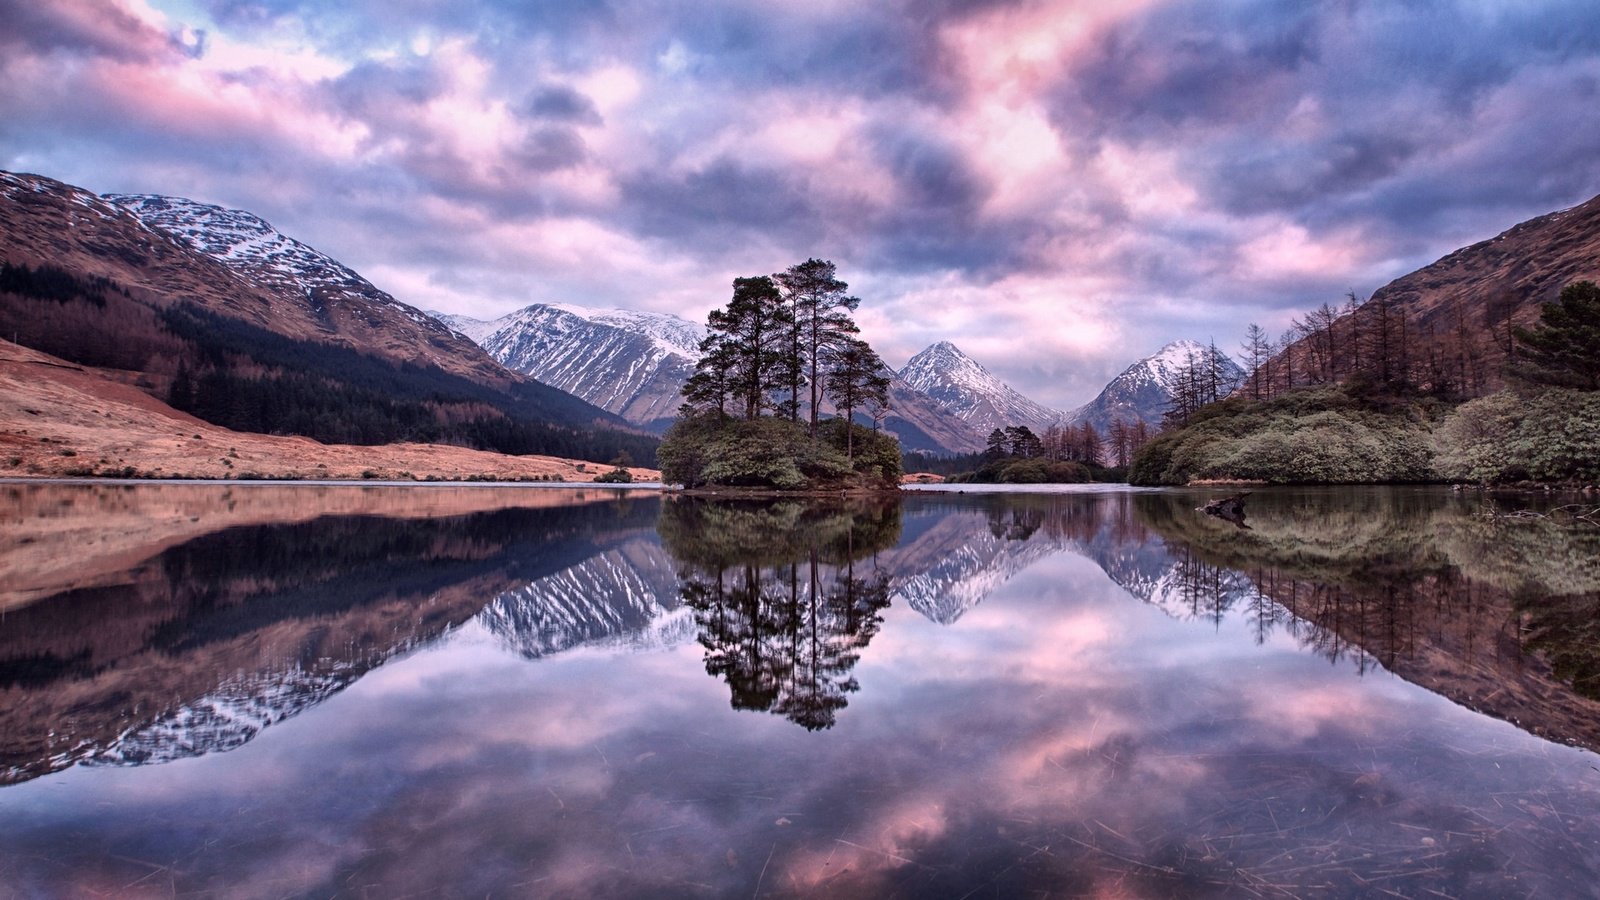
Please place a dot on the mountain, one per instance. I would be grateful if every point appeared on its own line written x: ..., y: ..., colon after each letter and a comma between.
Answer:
x: 1141, y: 393
x: 634, y: 363
x: 626, y: 362
x: 225, y: 318
x: 627, y: 595
x: 946, y: 570
x: 966, y: 390
x: 315, y: 295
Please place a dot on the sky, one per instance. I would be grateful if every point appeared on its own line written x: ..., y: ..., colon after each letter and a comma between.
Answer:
x: 1059, y: 188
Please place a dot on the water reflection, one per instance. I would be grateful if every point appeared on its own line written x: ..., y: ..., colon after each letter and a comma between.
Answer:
x: 783, y: 613
x: 528, y: 694
x: 201, y: 646
x: 1500, y: 615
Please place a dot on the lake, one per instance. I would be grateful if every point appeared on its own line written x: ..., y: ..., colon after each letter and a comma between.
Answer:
x: 268, y: 690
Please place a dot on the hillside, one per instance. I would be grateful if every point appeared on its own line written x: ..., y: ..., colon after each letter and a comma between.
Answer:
x: 61, y: 419
x: 1445, y: 328
x: 246, y: 328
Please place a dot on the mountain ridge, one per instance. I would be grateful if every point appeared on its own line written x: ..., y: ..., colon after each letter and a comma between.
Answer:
x: 961, y: 386
x: 1142, y: 392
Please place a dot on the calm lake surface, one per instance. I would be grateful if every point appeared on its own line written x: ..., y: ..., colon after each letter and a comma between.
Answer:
x: 267, y: 691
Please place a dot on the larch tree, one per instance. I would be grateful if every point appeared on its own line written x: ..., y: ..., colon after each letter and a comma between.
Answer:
x: 1257, y: 348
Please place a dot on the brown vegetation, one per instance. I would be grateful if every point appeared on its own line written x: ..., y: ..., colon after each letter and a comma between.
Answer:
x: 63, y: 420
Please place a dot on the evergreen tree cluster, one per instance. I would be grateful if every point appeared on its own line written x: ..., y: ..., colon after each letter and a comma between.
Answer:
x: 784, y: 346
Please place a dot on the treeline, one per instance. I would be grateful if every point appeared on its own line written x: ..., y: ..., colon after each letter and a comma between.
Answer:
x: 1064, y: 454
x: 1379, y: 344
x: 1372, y: 403
x: 238, y: 375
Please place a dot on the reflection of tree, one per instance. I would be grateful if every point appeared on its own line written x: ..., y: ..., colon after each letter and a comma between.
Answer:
x: 783, y: 615
x: 1416, y: 582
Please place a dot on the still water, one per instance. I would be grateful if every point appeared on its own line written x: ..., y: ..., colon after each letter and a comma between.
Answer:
x: 266, y: 691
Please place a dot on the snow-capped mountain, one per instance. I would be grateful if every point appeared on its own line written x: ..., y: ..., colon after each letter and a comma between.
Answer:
x: 319, y: 297
x: 971, y: 393
x: 1143, y: 391
x: 627, y: 362
x: 958, y: 563
x: 634, y: 363
x: 628, y: 596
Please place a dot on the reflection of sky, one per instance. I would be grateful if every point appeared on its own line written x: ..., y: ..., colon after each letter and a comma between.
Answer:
x: 1061, y: 736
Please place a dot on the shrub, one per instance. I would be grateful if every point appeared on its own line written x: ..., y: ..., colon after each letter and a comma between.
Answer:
x: 1317, y: 436
x: 775, y: 453
x: 1548, y: 434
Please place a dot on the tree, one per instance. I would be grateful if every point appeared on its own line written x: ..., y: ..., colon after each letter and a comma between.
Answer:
x: 1090, y: 449
x: 1024, y: 443
x: 711, y: 385
x: 752, y: 328
x: 1185, y: 390
x: 821, y: 312
x: 1563, y: 350
x: 856, y: 378
x: 1121, y: 438
x: 1257, y: 349
x: 996, y: 447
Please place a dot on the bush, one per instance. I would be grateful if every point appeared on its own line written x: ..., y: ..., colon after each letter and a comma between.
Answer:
x: 776, y: 454
x: 1322, y: 436
x: 618, y: 475
x: 1547, y: 434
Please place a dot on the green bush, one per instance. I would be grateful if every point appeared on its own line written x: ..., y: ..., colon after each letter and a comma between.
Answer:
x: 619, y: 475
x: 1545, y: 434
x: 771, y: 453
x: 1322, y: 436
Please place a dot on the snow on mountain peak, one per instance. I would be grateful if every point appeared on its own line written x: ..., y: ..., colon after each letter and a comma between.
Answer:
x: 962, y: 387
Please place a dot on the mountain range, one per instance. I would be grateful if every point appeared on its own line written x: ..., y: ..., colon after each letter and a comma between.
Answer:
x: 239, y: 324
x: 634, y: 363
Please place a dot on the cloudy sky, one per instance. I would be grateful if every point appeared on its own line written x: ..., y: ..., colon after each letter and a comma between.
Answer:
x: 1057, y: 187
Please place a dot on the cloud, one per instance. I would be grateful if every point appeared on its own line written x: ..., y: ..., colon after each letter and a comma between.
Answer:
x: 1070, y: 183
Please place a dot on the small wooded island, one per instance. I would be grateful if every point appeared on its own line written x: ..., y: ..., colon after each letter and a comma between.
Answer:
x: 784, y: 344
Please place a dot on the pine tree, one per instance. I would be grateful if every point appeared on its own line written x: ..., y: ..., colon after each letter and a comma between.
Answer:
x: 821, y: 313
x: 1564, y: 348
x: 753, y: 327
x: 856, y: 379
x: 996, y: 448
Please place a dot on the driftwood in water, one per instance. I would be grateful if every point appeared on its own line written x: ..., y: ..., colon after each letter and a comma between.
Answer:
x: 1229, y: 508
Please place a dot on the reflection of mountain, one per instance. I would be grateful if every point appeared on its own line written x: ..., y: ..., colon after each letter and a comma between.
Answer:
x: 951, y: 567
x: 199, y: 648
x: 622, y: 594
